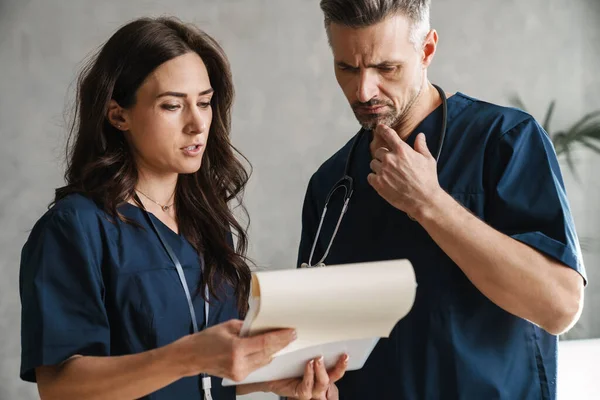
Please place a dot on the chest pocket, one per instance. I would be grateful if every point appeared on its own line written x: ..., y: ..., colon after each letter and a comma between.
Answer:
x: 152, y: 309
x: 146, y: 303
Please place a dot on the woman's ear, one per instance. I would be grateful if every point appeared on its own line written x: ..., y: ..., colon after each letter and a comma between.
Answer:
x: 117, y: 116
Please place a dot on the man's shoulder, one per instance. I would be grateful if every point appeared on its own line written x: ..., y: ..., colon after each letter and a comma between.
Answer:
x: 481, y: 113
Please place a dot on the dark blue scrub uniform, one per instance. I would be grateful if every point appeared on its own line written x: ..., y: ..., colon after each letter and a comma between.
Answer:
x: 94, y: 287
x: 454, y: 343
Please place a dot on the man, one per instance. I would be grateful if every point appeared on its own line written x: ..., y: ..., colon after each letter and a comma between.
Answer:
x: 487, y: 226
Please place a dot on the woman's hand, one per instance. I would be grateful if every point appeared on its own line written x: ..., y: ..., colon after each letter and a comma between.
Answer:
x: 219, y: 351
x: 316, y: 384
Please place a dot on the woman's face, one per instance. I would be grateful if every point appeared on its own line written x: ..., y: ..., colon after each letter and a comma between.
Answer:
x: 167, y: 127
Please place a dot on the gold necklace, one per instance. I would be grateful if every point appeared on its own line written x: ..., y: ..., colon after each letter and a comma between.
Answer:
x: 165, y: 208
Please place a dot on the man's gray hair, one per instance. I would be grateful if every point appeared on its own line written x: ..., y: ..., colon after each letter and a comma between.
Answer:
x: 363, y: 13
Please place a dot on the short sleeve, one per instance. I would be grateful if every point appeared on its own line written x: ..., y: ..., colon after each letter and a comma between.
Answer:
x: 61, y: 288
x: 526, y: 197
x: 310, y: 221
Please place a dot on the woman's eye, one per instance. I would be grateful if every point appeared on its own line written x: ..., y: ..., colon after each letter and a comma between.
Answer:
x: 170, y: 107
x: 204, y: 104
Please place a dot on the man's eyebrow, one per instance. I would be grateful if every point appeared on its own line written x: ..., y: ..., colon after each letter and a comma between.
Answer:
x: 387, y: 63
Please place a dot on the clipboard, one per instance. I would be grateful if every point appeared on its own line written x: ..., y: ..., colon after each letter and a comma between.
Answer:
x: 336, y: 310
x: 292, y: 365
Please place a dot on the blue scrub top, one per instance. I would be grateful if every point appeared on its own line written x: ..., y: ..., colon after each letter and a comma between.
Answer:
x: 96, y: 287
x: 454, y: 343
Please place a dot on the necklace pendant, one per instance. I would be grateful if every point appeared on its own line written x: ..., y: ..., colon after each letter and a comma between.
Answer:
x: 165, y: 208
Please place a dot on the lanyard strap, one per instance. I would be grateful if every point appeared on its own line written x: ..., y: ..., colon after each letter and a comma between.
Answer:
x: 206, y: 381
x: 182, y: 279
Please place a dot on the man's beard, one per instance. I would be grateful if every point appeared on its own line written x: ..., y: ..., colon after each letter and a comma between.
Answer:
x: 392, y: 118
x: 370, y: 121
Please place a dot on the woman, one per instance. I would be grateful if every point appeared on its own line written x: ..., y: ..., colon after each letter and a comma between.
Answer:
x: 115, y: 276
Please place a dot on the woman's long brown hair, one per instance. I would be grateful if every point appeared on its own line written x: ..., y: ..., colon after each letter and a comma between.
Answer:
x: 100, y: 164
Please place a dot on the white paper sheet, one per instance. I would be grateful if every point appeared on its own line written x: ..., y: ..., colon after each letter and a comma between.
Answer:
x: 336, y: 307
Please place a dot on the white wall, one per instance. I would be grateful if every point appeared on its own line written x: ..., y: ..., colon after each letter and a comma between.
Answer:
x: 289, y: 115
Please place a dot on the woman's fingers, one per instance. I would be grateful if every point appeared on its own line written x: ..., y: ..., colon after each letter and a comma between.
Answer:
x: 304, y: 388
x: 332, y: 393
x: 339, y: 369
x: 321, y: 378
x: 261, y: 348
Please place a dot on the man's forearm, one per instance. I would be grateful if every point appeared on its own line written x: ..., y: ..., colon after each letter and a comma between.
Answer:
x: 514, y: 276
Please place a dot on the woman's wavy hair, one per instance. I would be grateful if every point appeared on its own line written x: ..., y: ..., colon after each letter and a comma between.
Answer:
x: 100, y: 164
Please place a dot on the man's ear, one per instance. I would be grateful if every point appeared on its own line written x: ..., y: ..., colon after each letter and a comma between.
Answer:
x: 429, y: 47
x: 117, y: 116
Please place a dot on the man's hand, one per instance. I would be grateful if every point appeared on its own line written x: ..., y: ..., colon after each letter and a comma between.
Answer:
x: 405, y: 178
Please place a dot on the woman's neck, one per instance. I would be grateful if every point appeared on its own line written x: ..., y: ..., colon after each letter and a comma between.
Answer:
x: 159, y: 188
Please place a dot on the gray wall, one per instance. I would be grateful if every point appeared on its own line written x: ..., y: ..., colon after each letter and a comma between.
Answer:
x: 289, y: 115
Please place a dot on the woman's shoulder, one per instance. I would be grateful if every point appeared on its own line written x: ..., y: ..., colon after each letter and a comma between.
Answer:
x: 72, y: 214
x: 76, y: 202
x: 71, y: 229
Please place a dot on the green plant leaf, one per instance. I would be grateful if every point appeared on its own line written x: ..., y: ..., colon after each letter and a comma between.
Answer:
x: 585, y: 132
x: 588, y: 128
x: 592, y: 146
x: 590, y: 133
x: 592, y: 130
x: 516, y: 101
x: 567, y: 152
x: 584, y: 120
x: 546, y: 124
x: 558, y: 140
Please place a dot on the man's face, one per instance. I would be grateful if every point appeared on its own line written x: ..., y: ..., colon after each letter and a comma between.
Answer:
x: 379, y: 70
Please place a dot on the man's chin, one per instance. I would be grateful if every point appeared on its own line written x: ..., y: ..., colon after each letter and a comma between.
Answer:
x: 372, y: 122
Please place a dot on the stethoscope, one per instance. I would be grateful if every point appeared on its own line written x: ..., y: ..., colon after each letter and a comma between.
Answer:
x: 347, y: 184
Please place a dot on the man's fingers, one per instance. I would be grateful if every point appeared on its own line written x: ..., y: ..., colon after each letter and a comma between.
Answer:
x: 381, y: 153
x: 374, y: 180
x: 387, y: 135
x: 376, y: 143
x: 375, y: 165
x: 421, y: 145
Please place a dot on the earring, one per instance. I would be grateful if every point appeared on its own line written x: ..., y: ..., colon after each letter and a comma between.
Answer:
x: 119, y: 126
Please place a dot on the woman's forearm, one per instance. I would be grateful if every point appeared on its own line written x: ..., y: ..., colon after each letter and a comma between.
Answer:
x: 120, y: 377
x: 252, y: 388
x: 217, y: 351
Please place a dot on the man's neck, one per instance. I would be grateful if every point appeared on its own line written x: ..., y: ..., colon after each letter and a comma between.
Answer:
x: 427, y: 101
